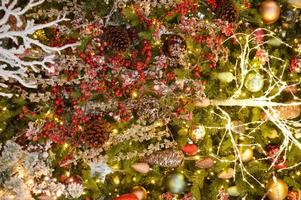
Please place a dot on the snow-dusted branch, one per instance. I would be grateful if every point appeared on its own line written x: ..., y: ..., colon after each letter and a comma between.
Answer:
x: 281, y: 114
x: 12, y: 65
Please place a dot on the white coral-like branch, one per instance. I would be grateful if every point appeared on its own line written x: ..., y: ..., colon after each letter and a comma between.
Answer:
x: 267, y: 103
x: 12, y: 66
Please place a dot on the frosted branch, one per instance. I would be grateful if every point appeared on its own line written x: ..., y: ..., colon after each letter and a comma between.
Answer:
x: 12, y: 66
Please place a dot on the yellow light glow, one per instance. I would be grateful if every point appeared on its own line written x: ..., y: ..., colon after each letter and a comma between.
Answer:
x: 67, y: 174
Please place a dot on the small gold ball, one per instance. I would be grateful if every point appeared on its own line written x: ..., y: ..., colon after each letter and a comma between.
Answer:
x: 246, y: 154
x: 270, y: 11
x: 277, y: 189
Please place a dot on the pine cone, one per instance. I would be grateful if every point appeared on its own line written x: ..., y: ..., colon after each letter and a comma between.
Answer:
x: 96, y: 133
x: 165, y: 158
x: 227, y: 11
x: 118, y: 38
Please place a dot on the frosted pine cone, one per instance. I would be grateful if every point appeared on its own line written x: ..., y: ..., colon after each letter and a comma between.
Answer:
x: 165, y: 158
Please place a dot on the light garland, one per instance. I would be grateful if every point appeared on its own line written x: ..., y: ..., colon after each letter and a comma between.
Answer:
x: 266, y: 103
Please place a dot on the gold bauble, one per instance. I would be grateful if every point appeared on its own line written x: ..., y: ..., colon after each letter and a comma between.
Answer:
x: 226, y: 173
x: 277, y: 189
x: 246, y: 154
x: 183, y: 132
x: 295, y: 3
x: 269, y: 11
x: 140, y: 192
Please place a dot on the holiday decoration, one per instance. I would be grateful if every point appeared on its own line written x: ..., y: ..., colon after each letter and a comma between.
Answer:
x: 174, y: 46
x: 287, y: 112
x: 228, y: 11
x: 176, y: 183
x: 233, y: 191
x: 226, y: 173
x: 276, y: 158
x: 165, y: 158
x: 246, y: 154
x: 226, y: 77
x: 142, y: 168
x: 288, y: 19
x: 295, y: 65
x: 190, y: 149
x: 294, y: 195
x: 270, y: 11
x: 254, y: 82
x: 117, y: 38
x: 295, y: 3
x: 204, y: 163
x: 140, y: 192
x: 197, y: 132
x: 277, y: 189
x: 154, y: 99
x: 95, y: 133
x: 10, y: 55
x: 127, y: 197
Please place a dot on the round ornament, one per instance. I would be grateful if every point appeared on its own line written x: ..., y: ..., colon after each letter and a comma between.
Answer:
x: 183, y: 132
x: 246, y: 154
x: 254, y: 82
x: 190, y: 149
x: 233, y: 191
x: 277, y: 189
x: 140, y: 192
x: 269, y: 11
x: 288, y: 19
x: 295, y: 3
x: 197, y: 132
x: 294, y: 195
x: 204, y: 163
x: 174, y: 46
x: 226, y: 174
x: 295, y: 64
x: 176, y: 183
x: 141, y: 167
x: 129, y: 196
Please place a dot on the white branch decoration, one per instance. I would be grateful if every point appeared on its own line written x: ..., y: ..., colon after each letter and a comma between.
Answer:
x: 267, y: 103
x: 12, y: 66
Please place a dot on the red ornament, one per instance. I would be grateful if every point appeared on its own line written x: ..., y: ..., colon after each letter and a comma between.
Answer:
x: 259, y: 36
x: 293, y: 195
x: 295, y: 65
x: 129, y: 196
x: 272, y: 151
x: 190, y: 149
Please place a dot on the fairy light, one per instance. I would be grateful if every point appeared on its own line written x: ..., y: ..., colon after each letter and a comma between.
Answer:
x: 266, y: 103
x: 116, y: 180
x: 65, y: 146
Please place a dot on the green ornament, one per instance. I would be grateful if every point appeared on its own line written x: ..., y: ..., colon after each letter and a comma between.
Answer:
x: 254, y: 82
x: 176, y: 183
x: 233, y: 191
x: 225, y: 77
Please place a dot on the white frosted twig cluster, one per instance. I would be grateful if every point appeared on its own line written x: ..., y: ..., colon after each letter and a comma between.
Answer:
x: 12, y: 66
x: 267, y: 103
